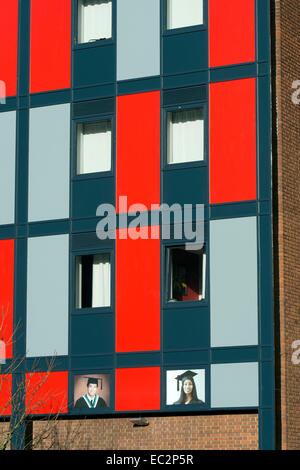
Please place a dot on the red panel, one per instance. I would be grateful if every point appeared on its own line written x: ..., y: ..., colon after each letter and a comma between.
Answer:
x: 6, y: 293
x: 138, y: 389
x: 138, y: 148
x: 9, y: 45
x: 5, y: 394
x: 50, y: 62
x: 46, y: 393
x: 232, y: 141
x: 137, y: 293
x: 231, y: 32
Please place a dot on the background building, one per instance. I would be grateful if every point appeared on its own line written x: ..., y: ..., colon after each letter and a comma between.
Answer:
x: 175, y: 102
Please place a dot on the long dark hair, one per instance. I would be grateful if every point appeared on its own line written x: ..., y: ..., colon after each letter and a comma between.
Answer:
x: 182, y: 397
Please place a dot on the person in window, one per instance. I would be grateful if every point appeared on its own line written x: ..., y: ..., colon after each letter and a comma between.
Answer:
x: 91, y: 399
x: 188, y: 393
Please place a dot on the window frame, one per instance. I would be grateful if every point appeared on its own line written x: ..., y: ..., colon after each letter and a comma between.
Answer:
x: 98, y: 42
x: 183, y: 107
x: 165, y: 276
x: 91, y: 310
x: 91, y: 119
x: 184, y: 29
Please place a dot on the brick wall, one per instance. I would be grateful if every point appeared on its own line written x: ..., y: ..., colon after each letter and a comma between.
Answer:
x: 214, y: 432
x: 286, y: 178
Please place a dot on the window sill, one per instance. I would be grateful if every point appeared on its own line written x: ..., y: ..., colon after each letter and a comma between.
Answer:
x: 96, y: 175
x: 185, y: 304
x: 184, y: 165
x: 184, y: 30
x: 89, y: 311
x: 97, y: 43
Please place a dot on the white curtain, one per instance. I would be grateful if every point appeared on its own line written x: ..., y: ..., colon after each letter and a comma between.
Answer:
x: 94, y: 147
x: 183, y: 13
x: 185, y: 136
x: 95, y: 20
x: 101, y: 281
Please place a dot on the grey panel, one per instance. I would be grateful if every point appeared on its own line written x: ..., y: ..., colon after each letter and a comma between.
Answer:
x: 233, y: 282
x: 7, y: 167
x: 47, y: 296
x: 234, y: 385
x: 49, y: 163
x: 138, y: 38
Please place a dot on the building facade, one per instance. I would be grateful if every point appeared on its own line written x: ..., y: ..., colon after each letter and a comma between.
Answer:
x: 148, y: 221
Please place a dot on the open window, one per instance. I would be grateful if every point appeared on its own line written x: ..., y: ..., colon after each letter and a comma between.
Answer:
x: 94, y: 20
x: 94, y: 147
x: 185, y: 135
x: 184, y: 13
x: 185, y: 274
x: 93, y: 281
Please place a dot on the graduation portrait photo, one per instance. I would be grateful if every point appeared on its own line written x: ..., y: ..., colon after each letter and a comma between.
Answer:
x: 185, y: 387
x: 92, y: 391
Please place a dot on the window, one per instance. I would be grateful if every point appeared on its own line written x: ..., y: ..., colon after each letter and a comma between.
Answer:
x: 185, y: 274
x: 93, y: 147
x: 93, y: 273
x: 94, y: 20
x: 185, y: 135
x: 182, y: 13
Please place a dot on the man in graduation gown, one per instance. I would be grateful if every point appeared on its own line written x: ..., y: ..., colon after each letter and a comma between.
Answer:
x: 91, y: 399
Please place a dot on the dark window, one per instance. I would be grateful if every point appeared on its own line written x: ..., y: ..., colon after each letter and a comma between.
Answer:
x: 186, y: 274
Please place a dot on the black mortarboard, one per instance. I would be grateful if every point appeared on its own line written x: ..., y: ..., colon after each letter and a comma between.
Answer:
x: 188, y: 374
x: 94, y: 380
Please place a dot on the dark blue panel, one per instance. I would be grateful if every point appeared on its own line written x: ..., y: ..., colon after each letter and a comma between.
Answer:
x: 263, y: 29
x: 92, y: 362
x: 267, y: 353
x: 94, y: 66
x: 88, y: 194
x: 7, y: 231
x: 23, y: 102
x: 186, y: 357
x: 10, y: 105
x: 184, y: 53
x: 188, y: 79
x: 84, y: 225
x: 266, y: 280
x: 50, y: 98
x: 236, y: 209
x: 49, y: 228
x: 232, y: 72
x: 267, y: 390
x: 186, y: 186
x: 89, y: 241
x: 141, y: 85
x: 24, y: 48
x: 185, y: 95
x: 263, y: 68
x: 266, y: 429
x: 22, y: 230
x: 138, y: 359
x: 92, y: 334
x: 93, y: 107
x: 264, y: 207
x: 61, y: 363
x: 22, y: 166
x: 264, y: 138
x: 89, y: 93
x: 242, y: 354
x: 186, y: 328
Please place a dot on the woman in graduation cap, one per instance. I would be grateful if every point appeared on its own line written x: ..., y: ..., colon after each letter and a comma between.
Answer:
x: 188, y: 393
x: 91, y: 399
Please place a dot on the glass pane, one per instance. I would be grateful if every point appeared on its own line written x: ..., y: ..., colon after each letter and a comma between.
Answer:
x: 185, y: 136
x: 93, y: 147
x: 186, y: 274
x: 183, y: 13
x: 94, y: 20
